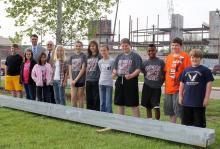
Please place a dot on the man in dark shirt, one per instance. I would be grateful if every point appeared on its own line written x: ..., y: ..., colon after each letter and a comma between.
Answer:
x: 12, y: 72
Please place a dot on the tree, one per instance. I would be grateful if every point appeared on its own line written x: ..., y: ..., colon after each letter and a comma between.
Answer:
x: 41, y: 16
x: 16, y: 39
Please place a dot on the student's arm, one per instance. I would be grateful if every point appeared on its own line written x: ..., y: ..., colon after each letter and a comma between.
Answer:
x: 114, y: 73
x: 138, y: 65
x: 70, y: 72
x: 207, y: 93
x: 33, y: 74
x: 115, y: 67
x: 181, y: 90
x: 133, y: 75
x: 6, y: 70
x: 66, y: 72
x: 81, y: 72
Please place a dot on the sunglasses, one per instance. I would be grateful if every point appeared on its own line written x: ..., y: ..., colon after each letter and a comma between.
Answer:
x: 49, y: 44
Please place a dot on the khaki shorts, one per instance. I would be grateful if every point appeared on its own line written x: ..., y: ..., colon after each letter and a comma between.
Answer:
x: 172, y: 106
x: 12, y: 83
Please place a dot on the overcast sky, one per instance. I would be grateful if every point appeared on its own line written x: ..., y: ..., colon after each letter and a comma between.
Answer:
x: 195, y: 12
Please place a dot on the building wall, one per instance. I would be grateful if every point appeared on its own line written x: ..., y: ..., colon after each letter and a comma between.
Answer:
x: 214, y: 32
x: 176, y: 26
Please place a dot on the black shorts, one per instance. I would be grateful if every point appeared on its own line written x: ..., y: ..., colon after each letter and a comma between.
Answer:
x: 194, y: 116
x: 126, y: 92
x: 79, y: 84
x: 150, y: 97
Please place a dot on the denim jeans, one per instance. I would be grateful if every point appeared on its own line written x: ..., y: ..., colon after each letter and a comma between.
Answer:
x: 105, y: 93
x: 59, y: 92
x: 30, y: 91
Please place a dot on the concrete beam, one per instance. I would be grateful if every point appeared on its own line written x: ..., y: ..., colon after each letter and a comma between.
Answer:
x: 202, y: 137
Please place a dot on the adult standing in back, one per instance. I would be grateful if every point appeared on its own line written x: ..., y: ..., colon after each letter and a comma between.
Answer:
x: 36, y: 49
x: 50, y: 56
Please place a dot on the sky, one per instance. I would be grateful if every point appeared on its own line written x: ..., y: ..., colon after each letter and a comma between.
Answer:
x: 195, y: 12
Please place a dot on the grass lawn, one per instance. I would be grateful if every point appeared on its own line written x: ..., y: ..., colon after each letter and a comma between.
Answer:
x: 20, y: 130
x: 216, y: 82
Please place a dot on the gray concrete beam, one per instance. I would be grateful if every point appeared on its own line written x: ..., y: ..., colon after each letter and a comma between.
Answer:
x: 202, y: 137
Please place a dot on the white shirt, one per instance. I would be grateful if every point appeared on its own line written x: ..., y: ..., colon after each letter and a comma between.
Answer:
x: 57, y: 71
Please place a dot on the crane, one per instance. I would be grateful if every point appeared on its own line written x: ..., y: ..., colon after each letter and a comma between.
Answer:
x: 170, y: 7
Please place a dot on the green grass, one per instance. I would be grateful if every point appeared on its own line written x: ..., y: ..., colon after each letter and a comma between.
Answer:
x: 216, y: 82
x: 21, y: 130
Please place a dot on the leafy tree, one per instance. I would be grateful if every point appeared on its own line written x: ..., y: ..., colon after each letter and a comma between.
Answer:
x: 16, y: 39
x: 40, y: 16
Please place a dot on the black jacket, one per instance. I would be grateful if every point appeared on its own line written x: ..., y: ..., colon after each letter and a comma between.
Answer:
x: 31, y: 81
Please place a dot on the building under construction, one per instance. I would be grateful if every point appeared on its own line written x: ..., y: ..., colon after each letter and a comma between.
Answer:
x: 203, y: 37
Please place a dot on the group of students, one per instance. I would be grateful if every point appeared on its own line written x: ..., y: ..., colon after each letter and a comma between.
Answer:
x: 187, y: 82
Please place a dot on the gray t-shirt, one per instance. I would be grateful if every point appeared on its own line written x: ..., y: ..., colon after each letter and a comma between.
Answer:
x: 154, y: 74
x: 76, y: 61
x: 106, y: 67
x: 127, y: 63
x: 92, y: 70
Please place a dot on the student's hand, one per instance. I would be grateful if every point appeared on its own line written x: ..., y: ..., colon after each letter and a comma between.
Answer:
x: 181, y: 100
x: 64, y: 83
x: 73, y: 82
x: 128, y: 76
x: 205, y: 102
x: 114, y: 74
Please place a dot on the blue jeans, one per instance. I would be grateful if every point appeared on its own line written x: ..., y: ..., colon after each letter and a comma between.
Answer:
x: 105, y: 93
x: 30, y: 91
x: 59, y: 92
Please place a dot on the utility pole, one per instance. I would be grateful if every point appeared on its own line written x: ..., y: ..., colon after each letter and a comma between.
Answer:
x: 153, y: 34
x: 59, y: 22
x: 116, y: 14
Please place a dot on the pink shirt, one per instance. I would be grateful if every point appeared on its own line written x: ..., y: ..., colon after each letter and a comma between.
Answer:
x: 26, y: 71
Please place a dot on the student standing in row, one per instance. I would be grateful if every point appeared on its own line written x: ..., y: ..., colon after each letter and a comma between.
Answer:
x: 25, y: 75
x: 127, y: 67
x: 60, y: 74
x: 195, y: 89
x: 12, y: 72
x: 92, y: 77
x: 176, y: 62
x: 42, y: 75
x: 77, y: 71
x: 153, y: 70
x: 105, y: 80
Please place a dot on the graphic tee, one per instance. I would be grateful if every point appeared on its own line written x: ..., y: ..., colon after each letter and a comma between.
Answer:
x: 195, y: 80
x: 76, y: 61
x: 153, y: 70
x: 44, y: 71
x: 106, y: 67
x: 175, y: 64
x: 92, y: 70
x: 127, y: 63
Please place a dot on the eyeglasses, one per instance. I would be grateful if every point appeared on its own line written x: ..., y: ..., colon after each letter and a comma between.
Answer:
x: 49, y: 44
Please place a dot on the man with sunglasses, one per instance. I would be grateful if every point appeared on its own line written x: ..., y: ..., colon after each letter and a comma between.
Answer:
x: 36, y: 49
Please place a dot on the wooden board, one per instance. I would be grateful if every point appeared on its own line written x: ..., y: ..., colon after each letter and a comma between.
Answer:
x: 202, y: 137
